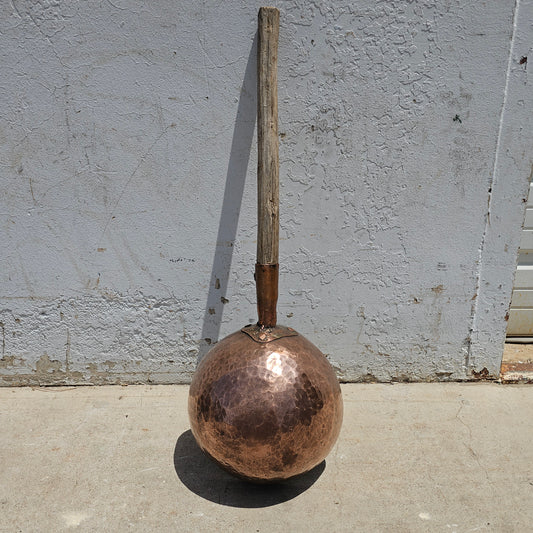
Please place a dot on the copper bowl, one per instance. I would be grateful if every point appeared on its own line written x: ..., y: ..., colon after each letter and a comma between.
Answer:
x: 265, y: 411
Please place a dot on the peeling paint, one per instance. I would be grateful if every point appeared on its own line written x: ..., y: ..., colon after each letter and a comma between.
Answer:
x: 7, y: 361
x: 438, y: 289
x: 517, y: 372
x: 483, y: 374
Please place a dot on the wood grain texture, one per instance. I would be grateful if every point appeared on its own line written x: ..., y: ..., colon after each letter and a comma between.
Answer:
x: 267, y: 137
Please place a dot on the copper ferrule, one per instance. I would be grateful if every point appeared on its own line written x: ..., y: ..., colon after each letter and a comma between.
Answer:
x: 266, y: 285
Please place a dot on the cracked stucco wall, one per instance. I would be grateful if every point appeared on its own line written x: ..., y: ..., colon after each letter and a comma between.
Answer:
x: 127, y: 162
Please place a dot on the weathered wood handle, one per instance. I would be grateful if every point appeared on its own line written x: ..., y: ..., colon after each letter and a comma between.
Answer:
x: 267, y: 137
x: 266, y: 269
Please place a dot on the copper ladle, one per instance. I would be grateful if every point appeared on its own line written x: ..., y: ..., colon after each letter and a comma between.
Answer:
x: 265, y: 403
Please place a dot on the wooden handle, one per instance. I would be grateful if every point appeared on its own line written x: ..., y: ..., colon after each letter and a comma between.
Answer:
x: 266, y: 269
x: 267, y: 137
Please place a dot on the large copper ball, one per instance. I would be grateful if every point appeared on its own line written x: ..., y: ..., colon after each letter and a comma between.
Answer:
x: 265, y: 411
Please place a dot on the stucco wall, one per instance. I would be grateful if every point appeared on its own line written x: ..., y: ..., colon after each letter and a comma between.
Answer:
x: 128, y: 183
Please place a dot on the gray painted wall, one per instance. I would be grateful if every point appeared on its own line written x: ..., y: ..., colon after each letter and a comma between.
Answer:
x: 128, y: 184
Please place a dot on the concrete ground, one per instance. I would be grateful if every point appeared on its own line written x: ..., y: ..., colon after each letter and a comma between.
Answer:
x: 411, y: 457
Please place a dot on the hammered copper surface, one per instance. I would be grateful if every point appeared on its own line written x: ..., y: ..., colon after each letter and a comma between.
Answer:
x: 262, y: 334
x: 265, y: 411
